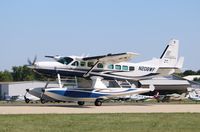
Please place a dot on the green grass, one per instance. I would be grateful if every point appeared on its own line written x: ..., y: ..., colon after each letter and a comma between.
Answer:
x: 184, y: 122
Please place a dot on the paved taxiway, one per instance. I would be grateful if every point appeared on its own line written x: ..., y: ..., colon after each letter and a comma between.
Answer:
x: 73, y: 109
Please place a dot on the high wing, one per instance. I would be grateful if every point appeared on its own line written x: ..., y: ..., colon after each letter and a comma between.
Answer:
x: 109, y: 58
x: 112, y: 58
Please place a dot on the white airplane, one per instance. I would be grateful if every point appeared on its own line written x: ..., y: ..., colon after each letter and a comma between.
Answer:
x: 194, y: 96
x: 134, y: 97
x: 112, y: 66
x: 97, y: 93
x: 170, y: 97
x: 138, y: 97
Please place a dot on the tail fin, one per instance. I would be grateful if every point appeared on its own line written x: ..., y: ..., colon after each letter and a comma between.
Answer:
x: 170, y: 55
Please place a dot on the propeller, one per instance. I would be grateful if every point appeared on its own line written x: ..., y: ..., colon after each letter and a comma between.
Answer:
x: 32, y: 62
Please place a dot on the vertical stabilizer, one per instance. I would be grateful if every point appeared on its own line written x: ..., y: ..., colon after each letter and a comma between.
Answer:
x: 169, y: 57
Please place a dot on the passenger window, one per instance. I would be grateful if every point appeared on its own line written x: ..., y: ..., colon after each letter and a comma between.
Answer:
x: 117, y: 67
x: 111, y: 66
x: 82, y: 63
x: 125, y: 68
x: 131, y: 68
x: 75, y: 63
x: 100, y: 65
x: 90, y: 64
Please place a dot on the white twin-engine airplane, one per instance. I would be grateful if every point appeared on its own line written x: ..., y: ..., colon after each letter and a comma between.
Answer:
x: 112, y: 66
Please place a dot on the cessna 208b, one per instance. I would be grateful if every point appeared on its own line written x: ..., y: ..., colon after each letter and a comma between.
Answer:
x: 112, y: 66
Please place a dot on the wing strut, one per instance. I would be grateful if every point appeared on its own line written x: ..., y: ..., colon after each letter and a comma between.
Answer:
x: 59, y: 80
x: 87, y: 74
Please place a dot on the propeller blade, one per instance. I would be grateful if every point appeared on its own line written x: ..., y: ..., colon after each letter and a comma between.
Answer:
x: 35, y: 59
x: 29, y: 61
x: 48, y: 56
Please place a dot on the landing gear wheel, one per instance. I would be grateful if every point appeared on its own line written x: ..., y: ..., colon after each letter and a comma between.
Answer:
x: 98, y: 102
x: 42, y: 101
x: 81, y: 103
x: 27, y: 100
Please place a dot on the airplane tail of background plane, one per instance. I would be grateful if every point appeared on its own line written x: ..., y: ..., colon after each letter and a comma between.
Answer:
x: 169, y: 60
x: 170, y: 55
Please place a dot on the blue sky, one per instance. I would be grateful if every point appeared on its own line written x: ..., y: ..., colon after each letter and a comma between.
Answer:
x: 77, y: 27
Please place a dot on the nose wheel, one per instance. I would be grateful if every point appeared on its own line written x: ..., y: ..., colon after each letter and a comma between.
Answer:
x: 42, y: 100
x: 25, y: 98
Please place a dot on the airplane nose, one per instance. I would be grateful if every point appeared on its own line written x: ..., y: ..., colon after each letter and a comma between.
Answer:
x: 45, y: 64
x: 33, y: 66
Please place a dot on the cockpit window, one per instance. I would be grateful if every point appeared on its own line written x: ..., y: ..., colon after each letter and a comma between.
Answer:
x: 65, y: 60
x: 76, y: 63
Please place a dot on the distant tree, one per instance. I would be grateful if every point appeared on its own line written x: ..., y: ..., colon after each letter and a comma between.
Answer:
x: 179, y: 74
x: 189, y: 72
x: 198, y: 72
x: 39, y: 77
x: 5, y: 76
x: 22, y: 73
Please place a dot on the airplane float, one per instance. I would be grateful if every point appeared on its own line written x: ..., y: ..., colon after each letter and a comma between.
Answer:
x: 112, y: 66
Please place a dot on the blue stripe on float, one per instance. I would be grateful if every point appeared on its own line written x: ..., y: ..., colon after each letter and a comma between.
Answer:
x: 77, y: 94
x: 85, y: 94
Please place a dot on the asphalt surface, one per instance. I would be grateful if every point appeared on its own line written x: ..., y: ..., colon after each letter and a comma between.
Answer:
x: 74, y: 109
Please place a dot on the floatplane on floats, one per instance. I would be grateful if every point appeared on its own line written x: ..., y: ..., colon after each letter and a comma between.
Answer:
x: 112, y: 66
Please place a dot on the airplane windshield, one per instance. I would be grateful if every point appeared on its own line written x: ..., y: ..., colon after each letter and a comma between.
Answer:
x: 65, y: 60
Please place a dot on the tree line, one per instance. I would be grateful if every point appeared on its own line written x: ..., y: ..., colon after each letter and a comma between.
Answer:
x: 23, y: 73
x: 190, y: 72
x: 20, y: 73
